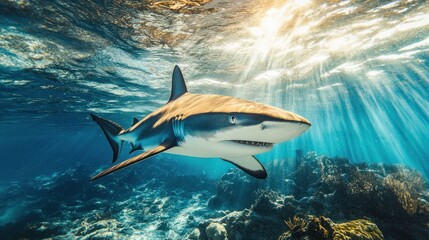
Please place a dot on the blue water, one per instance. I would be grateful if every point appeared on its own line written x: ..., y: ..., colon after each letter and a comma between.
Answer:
x: 357, y: 70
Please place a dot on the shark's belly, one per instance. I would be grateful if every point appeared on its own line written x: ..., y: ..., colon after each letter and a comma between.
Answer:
x: 200, y: 147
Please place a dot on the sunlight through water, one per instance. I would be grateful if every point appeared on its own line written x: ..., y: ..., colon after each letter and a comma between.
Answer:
x: 358, y: 70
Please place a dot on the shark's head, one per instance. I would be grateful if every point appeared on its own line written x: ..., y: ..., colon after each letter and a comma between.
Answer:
x: 242, y: 127
x: 228, y: 125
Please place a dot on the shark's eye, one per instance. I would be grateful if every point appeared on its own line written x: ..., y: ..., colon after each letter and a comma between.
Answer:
x: 232, y: 119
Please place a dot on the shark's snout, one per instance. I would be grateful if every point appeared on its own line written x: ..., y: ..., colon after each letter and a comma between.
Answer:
x: 286, y: 116
x: 302, y: 120
x: 281, y: 130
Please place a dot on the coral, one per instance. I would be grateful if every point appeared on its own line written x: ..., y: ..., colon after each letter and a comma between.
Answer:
x: 216, y: 231
x: 357, y: 230
x: 319, y: 173
x: 306, y: 174
x: 235, y: 190
x: 295, y: 223
x: 248, y: 224
x: 313, y: 228
x: 323, y: 228
x: 267, y: 202
x: 361, y: 182
x: 406, y: 186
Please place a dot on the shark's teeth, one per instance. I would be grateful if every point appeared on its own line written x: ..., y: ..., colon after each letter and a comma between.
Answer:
x: 253, y: 143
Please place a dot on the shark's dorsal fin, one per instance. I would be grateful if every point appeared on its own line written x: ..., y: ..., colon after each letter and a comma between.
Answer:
x: 250, y: 165
x: 135, y: 120
x: 178, y: 87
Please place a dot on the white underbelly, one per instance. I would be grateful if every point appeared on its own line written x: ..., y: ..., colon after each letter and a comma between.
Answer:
x: 200, y: 147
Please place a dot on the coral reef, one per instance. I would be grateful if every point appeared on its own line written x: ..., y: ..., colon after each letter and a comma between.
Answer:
x: 235, y: 190
x: 406, y: 186
x: 160, y: 202
x: 331, y: 187
x: 354, y: 189
x: 323, y: 228
x: 262, y: 220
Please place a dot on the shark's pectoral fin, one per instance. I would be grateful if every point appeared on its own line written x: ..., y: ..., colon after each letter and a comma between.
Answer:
x: 161, y: 148
x: 250, y: 165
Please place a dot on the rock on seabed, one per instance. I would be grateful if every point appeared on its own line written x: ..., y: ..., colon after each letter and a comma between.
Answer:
x: 216, y: 231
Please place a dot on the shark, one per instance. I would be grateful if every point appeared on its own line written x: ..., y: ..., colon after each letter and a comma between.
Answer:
x: 204, y: 126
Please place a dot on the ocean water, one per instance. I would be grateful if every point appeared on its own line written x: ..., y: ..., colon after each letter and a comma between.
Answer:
x: 357, y: 70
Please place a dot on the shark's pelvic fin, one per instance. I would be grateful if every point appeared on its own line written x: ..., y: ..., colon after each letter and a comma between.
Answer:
x: 111, y: 130
x: 134, y: 147
x: 178, y: 87
x: 135, y: 120
x: 250, y: 165
x: 161, y: 148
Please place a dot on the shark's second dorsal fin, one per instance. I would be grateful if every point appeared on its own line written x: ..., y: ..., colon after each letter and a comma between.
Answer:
x: 178, y: 87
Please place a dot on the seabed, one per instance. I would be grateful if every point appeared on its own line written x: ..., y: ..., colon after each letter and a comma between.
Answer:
x: 321, y: 198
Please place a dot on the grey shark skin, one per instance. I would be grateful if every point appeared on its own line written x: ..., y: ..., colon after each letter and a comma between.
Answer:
x: 206, y: 126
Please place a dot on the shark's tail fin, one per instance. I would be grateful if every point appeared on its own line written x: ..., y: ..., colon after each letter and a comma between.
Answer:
x: 111, y: 130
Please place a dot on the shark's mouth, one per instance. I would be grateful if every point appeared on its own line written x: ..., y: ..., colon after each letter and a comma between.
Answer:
x: 253, y: 143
